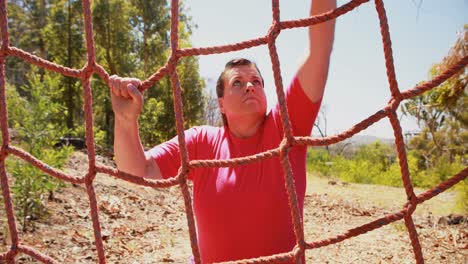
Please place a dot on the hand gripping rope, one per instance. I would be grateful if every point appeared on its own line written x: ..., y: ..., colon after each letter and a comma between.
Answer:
x: 181, y: 179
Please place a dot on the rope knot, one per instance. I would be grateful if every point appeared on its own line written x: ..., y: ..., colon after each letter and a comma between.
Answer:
x: 172, y: 60
x: 411, y: 204
x: 11, y: 254
x: 302, y: 246
x: 285, y: 145
x: 89, y: 178
x: 4, y: 52
x: 3, y: 152
x: 274, y: 30
x: 88, y: 70
x: 397, y: 96
x: 184, y: 170
x: 393, y: 104
x: 298, y: 251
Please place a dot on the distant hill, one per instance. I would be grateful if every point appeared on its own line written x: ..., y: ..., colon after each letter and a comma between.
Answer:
x: 365, y: 139
x: 358, y: 140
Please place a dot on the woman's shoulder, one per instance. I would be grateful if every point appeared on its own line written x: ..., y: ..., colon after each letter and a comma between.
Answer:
x: 206, y: 133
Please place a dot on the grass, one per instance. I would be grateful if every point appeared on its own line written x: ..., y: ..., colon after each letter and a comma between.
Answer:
x: 392, y: 198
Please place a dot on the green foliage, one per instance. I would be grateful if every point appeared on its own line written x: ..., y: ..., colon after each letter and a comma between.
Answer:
x: 132, y: 39
x: 441, y: 113
x: 356, y: 170
x: 392, y: 176
x: 153, y: 52
x: 319, y: 161
x: 366, y: 165
x: 148, y: 120
x: 115, y: 51
x: 25, y: 21
x: 377, y: 164
x: 440, y: 148
x: 381, y: 155
x: 151, y: 19
x: 462, y: 195
x: 37, y: 124
x: 64, y: 44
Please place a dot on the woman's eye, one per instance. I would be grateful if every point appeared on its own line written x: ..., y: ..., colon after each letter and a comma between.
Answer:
x: 256, y: 82
x: 237, y: 83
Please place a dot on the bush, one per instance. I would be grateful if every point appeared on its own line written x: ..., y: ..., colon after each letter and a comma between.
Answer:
x: 390, y: 177
x: 376, y: 163
x: 149, y: 135
x: 462, y: 196
x: 32, y: 187
x: 441, y: 171
x: 38, y: 122
x: 366, y: 165
x: 319, y: 161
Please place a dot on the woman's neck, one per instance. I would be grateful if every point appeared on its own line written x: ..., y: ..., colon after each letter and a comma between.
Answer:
x: 245, y: 127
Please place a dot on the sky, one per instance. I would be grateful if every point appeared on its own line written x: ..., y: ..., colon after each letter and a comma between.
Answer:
x: 422, y: 32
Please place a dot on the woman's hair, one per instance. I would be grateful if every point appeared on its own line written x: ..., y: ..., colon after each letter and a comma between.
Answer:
x: 229, y: 65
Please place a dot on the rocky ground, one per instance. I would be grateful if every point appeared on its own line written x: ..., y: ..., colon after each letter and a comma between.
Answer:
x: 144, y: 225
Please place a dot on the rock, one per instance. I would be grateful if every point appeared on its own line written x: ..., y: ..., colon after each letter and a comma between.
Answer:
x: 78, y: 143
x: 452, y: 219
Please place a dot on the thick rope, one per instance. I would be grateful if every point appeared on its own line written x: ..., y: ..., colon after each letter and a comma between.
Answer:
x: 180, y: 179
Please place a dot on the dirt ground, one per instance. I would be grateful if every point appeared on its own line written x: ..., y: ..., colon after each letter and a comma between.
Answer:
x: 144, y: 225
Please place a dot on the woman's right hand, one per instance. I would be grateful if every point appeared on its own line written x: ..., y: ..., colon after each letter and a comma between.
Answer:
x: 127, y: 100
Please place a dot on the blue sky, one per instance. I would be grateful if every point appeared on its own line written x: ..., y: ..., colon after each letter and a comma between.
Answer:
x: 422, y: 32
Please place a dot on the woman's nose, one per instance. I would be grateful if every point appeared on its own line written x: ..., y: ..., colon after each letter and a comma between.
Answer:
x: 249, y: 87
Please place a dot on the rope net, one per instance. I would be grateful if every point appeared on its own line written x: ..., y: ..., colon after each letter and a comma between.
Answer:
x: 180, y: 179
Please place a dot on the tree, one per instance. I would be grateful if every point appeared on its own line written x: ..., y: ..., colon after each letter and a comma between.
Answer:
x: 212, y: 115
x: 133, y: 40
x: 443, y: 119
x: 441, y: 112
x: 152, y: 22
x: 321, y: 124
x: 26, y: 19
x: 65, y: 46
x: 52, y: 30
x: 114, y: 49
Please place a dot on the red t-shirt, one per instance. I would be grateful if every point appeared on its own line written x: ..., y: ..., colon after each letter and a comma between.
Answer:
x: 243, y: 212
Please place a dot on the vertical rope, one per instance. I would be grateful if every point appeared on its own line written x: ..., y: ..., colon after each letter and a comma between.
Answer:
x: 86, y: 76
x: 286, y: 145
x: 12, y: 229
x: 3, y: 104
x: 412, y: 199
x: 89, y: 130
x: 4, y: 27
x: 396, y: 97
x: 387, y: 46
x: 178, y: 109
x: 9, y: 212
